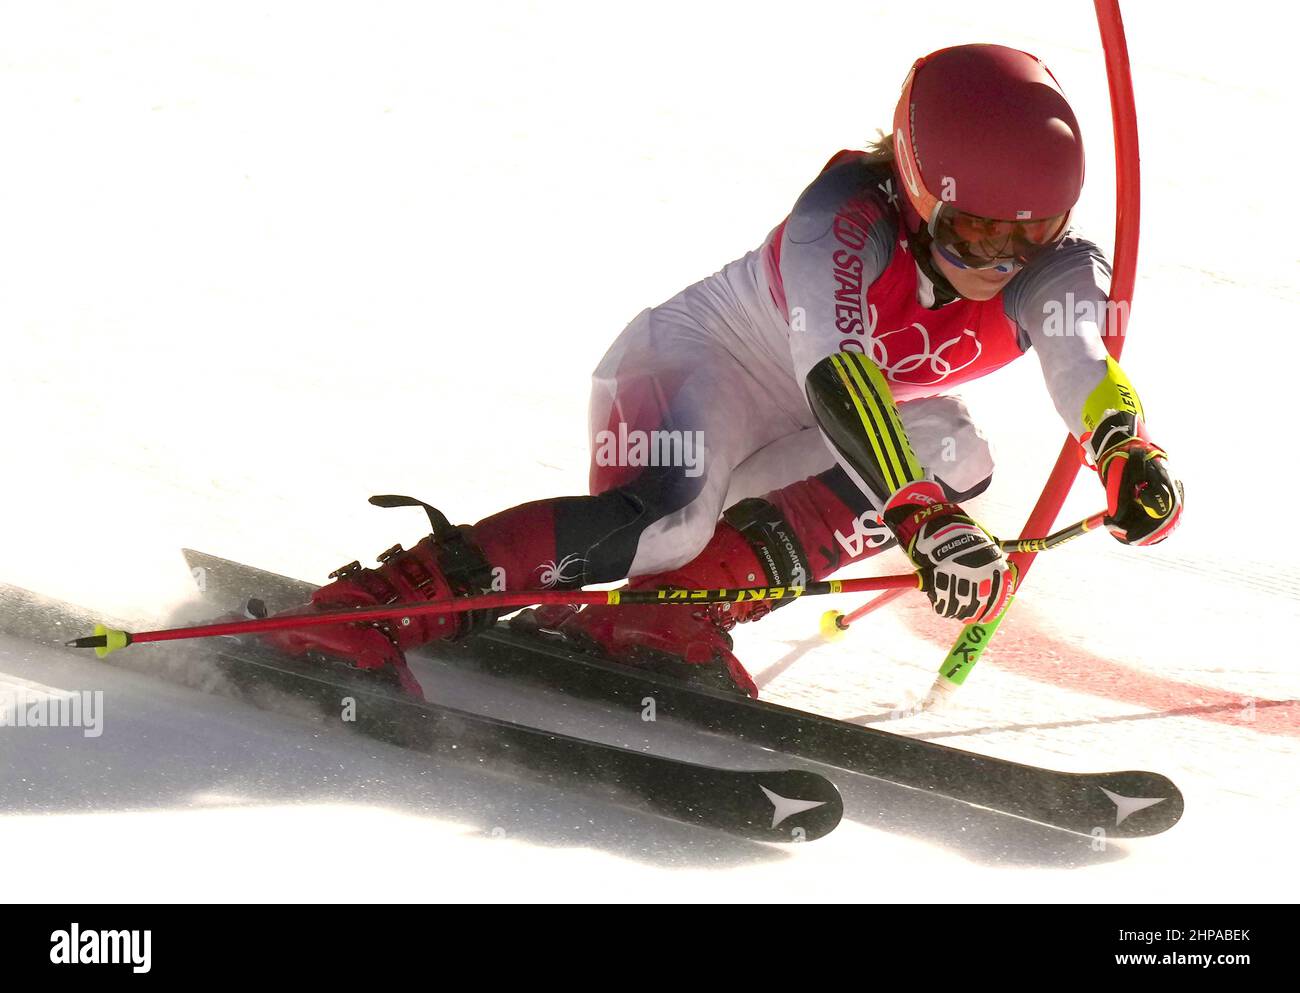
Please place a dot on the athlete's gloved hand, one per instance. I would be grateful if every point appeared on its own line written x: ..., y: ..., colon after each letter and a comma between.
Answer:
x: 1144, y: 502
x: 963, y: 571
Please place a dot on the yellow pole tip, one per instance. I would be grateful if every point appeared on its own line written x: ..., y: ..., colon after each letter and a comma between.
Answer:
x: 830, y: 626
x: 113, y: 639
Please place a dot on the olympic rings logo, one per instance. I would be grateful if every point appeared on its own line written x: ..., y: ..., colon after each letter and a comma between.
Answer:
x: 918, y: 361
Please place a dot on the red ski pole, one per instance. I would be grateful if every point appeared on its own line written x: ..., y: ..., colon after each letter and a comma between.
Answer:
x: 106, y: 639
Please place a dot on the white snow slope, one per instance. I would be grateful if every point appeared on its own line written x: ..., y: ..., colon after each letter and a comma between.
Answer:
x: 258, y: 262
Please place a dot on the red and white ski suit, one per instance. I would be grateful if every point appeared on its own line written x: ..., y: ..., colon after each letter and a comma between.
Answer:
x: 712, y: 381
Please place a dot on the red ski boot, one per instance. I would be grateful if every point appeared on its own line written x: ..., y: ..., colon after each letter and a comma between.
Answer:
x: 758, y: 542
x: 752, y: 546
x: 445, y: 564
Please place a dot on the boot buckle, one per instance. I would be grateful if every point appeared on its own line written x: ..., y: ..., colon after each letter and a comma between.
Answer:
x: 342, y: 572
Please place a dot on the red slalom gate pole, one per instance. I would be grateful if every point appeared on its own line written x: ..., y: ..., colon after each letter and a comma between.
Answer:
x: 1128, y: 217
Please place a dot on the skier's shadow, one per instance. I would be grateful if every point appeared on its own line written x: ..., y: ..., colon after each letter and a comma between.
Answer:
x: 167, y: 747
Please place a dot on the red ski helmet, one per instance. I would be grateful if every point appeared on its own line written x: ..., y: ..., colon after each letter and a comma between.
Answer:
x: 983, y: 133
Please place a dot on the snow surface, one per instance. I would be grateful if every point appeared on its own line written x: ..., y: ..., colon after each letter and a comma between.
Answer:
x: 258, y: 262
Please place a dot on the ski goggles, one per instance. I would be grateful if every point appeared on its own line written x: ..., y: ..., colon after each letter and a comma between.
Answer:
x: 972, y: 242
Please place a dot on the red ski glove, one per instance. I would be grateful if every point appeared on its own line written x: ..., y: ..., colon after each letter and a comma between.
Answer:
x: 1144, y: 502
x: 963, y: 570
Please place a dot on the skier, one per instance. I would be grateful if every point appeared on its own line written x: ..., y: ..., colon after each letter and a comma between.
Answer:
x: 792, y: 413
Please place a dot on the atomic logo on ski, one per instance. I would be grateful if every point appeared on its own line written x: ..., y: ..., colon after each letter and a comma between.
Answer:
x: 1126, y: 805
x: 784, y: 806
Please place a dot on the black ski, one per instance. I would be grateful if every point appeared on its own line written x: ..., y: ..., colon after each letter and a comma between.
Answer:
x: 789, y: 805
x: 1120, y: 804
